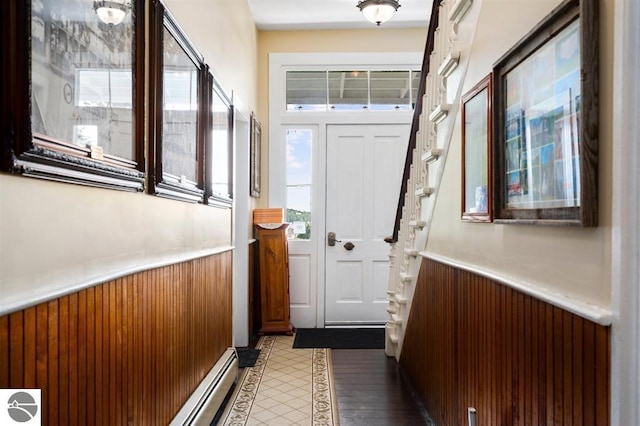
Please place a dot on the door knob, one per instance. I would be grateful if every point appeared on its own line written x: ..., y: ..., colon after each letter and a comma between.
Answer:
x: 331, y: 239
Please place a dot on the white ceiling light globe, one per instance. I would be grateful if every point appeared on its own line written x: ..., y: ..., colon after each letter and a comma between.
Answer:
x: 378, y: 11
x: 111, y: 12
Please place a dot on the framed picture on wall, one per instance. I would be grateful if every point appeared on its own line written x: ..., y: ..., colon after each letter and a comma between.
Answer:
x: 255, y: 156
x: 545, y: 153
x: 177, y: 126
x: 219, y: 145
x: 476, y: 153
x: 73, y: 100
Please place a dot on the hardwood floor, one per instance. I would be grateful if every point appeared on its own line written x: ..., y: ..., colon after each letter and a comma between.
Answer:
x: 371, y: 390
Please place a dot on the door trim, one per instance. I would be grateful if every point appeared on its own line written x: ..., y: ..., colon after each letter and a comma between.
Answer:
x: 240, y: 231
x: 625, y: 245
x: 279, y: 63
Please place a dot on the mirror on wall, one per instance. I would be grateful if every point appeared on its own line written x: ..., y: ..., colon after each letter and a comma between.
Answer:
x: 81, y: 71
x: 74, y: 81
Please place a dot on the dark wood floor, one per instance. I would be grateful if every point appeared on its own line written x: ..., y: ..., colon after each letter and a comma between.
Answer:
x: 371, y: 391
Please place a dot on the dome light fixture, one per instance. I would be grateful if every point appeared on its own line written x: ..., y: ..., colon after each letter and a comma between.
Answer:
x: 378, y: 11
x: 111, y: 12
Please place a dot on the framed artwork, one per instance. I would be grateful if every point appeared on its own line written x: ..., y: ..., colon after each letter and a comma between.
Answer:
x: 73, y: 104
x: 255, y: 156
x: 476, y: 153
x: 177, y: 127
x: 545, y: 152
x: 219, y: 145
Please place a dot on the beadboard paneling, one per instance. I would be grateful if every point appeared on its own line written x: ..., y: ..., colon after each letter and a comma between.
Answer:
x: 473, y: 342
x: 128, y: 351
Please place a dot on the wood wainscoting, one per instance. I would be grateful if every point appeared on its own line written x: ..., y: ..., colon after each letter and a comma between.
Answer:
x: 128, y: 351
x: 474, y: 342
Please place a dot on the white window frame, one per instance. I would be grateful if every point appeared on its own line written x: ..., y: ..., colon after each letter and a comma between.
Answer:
x: 280, y: 63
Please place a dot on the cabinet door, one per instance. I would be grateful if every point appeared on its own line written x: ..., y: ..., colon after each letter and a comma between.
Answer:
x: 274, y: 280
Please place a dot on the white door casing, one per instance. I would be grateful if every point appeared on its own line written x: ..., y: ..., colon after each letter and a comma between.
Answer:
x: 364, y: 170
x: 240, y: 224
x: 307, y: 259
x: 625, y: 256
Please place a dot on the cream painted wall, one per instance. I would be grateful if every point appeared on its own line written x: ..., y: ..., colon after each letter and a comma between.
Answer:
x: 570, y: 262
x: 224, y: 32
x: 55, y: 237
x: 373, y: 40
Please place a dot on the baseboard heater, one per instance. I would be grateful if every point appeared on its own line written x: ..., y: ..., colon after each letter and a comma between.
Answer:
x: 207, y: 399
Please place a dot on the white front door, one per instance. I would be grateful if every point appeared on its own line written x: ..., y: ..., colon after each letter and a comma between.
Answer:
x: 364, y: 172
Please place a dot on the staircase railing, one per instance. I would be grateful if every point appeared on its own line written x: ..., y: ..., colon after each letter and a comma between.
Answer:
x: 428, y: 142
x: 417, y: 110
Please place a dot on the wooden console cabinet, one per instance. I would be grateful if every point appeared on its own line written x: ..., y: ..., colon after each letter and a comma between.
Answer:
x: 273, y: 258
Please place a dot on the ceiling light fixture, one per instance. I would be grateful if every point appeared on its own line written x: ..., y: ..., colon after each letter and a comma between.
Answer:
x: 111, y: 12
x: 378, y: 11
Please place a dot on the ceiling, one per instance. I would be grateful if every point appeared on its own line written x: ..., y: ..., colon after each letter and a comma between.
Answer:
x: 331, y: 14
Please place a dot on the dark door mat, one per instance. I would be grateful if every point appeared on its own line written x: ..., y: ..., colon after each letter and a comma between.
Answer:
x: 247, y: 357
x: 339, y: 338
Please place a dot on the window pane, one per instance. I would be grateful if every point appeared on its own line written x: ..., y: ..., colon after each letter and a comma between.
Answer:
x: 390, y: 90
x: 306, y: 90
x: 348, y: 90
x: 415, y: 84
x: 180, y: 110
x: 382, y: 90
x: 299, y: 178
x: 220, y: 147
x: 81, y: 76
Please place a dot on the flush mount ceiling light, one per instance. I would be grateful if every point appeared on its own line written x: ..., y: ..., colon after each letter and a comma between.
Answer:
x: 378, y: 11
x: 111, y: 12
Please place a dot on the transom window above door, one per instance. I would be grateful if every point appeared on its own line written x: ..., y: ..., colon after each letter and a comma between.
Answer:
x: 351, y: 90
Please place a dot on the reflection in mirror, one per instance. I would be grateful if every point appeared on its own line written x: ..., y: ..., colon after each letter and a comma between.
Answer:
x: 475, y: 156
x: 477, y: 194
x: 103, y: 88
x: 220, y: 147
x: 180, y: 111
x: 81, y: 73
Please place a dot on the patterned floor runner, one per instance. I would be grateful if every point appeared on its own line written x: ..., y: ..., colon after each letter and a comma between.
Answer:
x: 285, y: 387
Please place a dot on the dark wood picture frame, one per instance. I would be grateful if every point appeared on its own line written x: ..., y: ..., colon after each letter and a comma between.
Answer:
x: 33, y: 154
x: 214, y: 196
x: 476, y: 152
x: 163, y: 183
x: 545, y: 154
x: 255, y: 151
